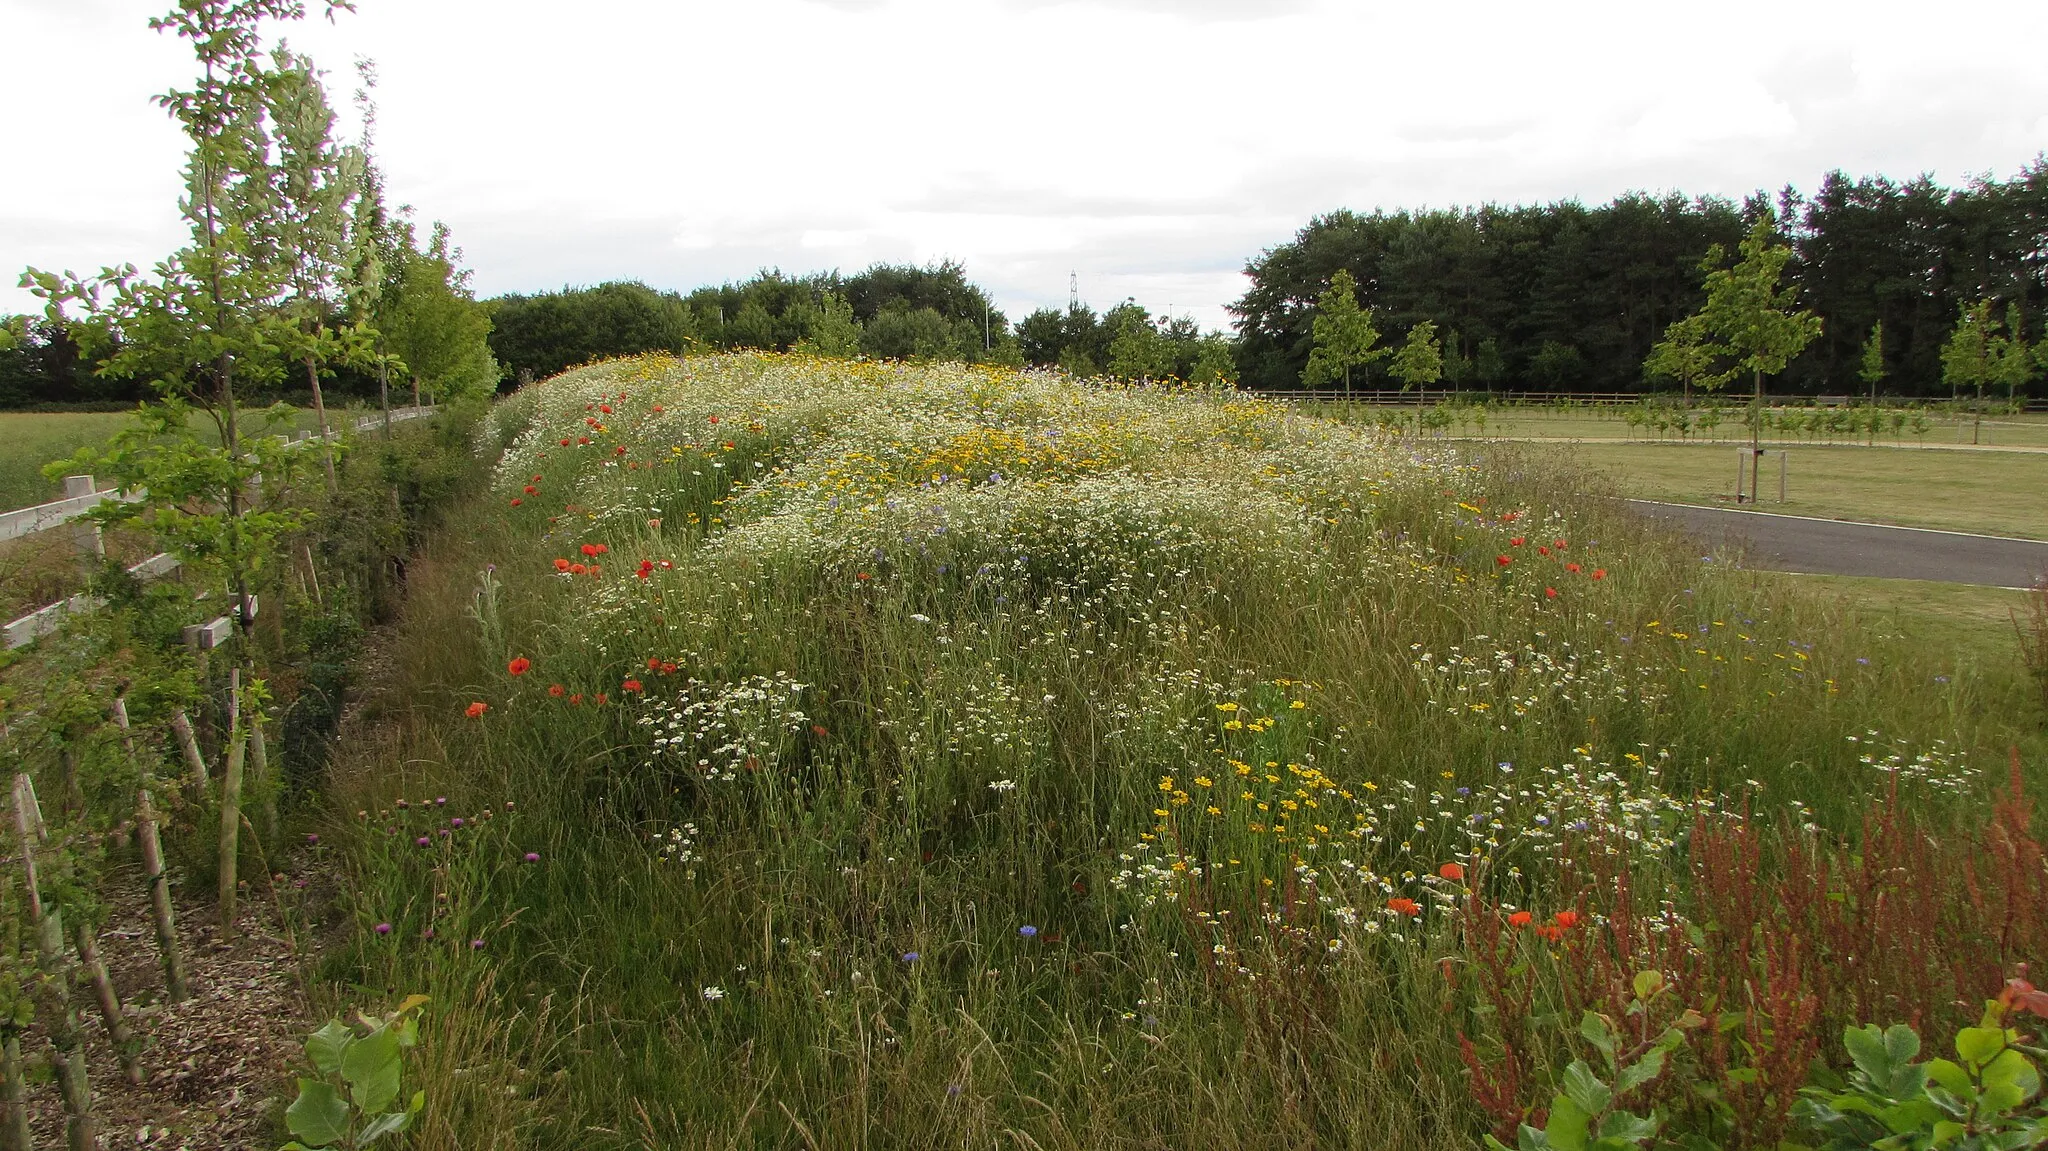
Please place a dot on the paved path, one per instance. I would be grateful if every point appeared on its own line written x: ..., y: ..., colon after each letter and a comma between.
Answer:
x: 1841, y: 547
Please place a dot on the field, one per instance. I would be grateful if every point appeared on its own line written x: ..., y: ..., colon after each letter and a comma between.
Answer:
x: 795, y: 753
x: 1996, y: 493
x: 35, y: 438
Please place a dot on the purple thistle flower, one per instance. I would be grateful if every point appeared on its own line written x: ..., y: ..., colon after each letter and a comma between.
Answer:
x: 533, y: 857
x: 476, y: 945
x: 423, y: 841
x: 457, y: 821
x: 312, y: 840
x: 383, y: 929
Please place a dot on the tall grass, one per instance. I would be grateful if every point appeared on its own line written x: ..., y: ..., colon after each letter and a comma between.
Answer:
x: 942, y: 756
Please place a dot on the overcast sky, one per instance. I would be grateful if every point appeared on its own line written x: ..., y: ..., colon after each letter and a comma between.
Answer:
x: 1149, y: 146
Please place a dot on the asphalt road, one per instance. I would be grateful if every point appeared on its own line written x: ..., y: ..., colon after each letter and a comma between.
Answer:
x: 1837, y: 547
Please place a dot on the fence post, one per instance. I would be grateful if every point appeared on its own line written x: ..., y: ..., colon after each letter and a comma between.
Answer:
x: 87, y: 535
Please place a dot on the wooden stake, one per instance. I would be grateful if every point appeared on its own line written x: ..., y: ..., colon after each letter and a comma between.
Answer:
x: 259, y: 771
x: 231, y: 805
x: 154, y: 876
x: 14, y: 1132
x: 85, y: 937
x: 189, y: 744
x: 160, y: 900
x: 67, y: 1053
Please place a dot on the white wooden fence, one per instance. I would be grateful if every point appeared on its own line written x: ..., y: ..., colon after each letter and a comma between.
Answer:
x: 80, y: 496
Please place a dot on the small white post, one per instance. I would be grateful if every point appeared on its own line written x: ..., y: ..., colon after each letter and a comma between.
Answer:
x: 87, y: 534
x: 1782, y: 458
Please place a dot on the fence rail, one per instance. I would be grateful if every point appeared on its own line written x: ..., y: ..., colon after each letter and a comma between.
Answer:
x: 81, y: 495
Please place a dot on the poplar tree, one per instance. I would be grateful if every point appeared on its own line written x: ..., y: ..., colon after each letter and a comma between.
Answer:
x: 214, y: 316
x: 832, y: 330
x: 317, y: 184
x: 1343, y: 334
x: 1420, y: 360
x: 1758, y: 321
x: 1687, y: 354
x: 1872, y: 371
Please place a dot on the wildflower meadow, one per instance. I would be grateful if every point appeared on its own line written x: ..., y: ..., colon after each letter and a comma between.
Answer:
x: 796, y: 752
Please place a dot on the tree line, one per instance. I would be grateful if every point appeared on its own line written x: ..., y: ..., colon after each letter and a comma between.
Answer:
x: 1562, y: 297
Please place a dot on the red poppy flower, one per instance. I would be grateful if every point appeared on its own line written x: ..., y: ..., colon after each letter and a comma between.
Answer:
x: 605, y: 408
x: 668, y: 668
x: 518, y: 666
x: 589, y: 549
x: 653, y: 662
x: 536, y: 479
x: 1573, y: 568
x: 1518, y: 541
x: 531, y: 490
x: 1541, y: 550
x: 860, y: 575
x: 595, y: 570
x: 576, y: 700
x: 1549, y: 931
x: 818, y: 729
x: 601, y: 699
x: 583, y: 439
x: 1599, y: 573
x: 565, y: 441
x: 620, y: 450
x: 1558, y: 544
x: 1566, y: 920
x: 476, y: 710
x: 1452, y: 871
x: 556, y: 690
x: 1404, y: 905
x: 516, y: 501
x: 1503, y: 560
x: 632, y: 685
x: 1520, y: 919
x: 657, y: 409
x: 714, y: 419
x: 577, y: 569
x: 1550, y: 593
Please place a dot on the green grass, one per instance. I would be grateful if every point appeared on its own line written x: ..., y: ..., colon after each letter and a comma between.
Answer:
x: 1997, y: 493
x: 36, y: 438
x: 1944, y: 431
x: 1027, y: 764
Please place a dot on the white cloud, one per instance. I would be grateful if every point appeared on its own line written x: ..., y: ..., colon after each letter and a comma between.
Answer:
x: 1150, y: 146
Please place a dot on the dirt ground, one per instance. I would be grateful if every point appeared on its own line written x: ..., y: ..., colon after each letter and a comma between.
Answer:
x: 217, y: 1066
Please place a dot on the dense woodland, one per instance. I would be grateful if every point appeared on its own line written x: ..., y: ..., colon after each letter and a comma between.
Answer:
x: 1551, y: 297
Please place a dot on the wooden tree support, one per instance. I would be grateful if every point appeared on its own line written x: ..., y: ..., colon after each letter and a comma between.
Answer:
x: 84, y: 935
x: 189, y: 744
x: 231, y: 805
x: 14, y: 1132
x: 154, y: 875
x: 67, y: 1054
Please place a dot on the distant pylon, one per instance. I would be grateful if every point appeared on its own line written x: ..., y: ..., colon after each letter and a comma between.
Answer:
x: 1073, y: 291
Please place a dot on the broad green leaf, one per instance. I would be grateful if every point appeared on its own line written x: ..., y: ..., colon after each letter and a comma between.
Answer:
x: 419, y: 1100
x: 319, y: 1115
x: 1629, y: 1128
x: 1595, y: 1029
x: 1979, y: 1045
x: 2009, y: 1081
x: 1584, y: 1088
x: 1946, y: 1132
x: 1640, y: 1072
x: 1648, y: 984
x: 1568, y: 1126
x: 324, y: 1047
x: 1914, y: 1115
x: 1869, y: 1050
x: 1951, y: 1077
x: 386, y: 1124
x: 371, y: 1067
